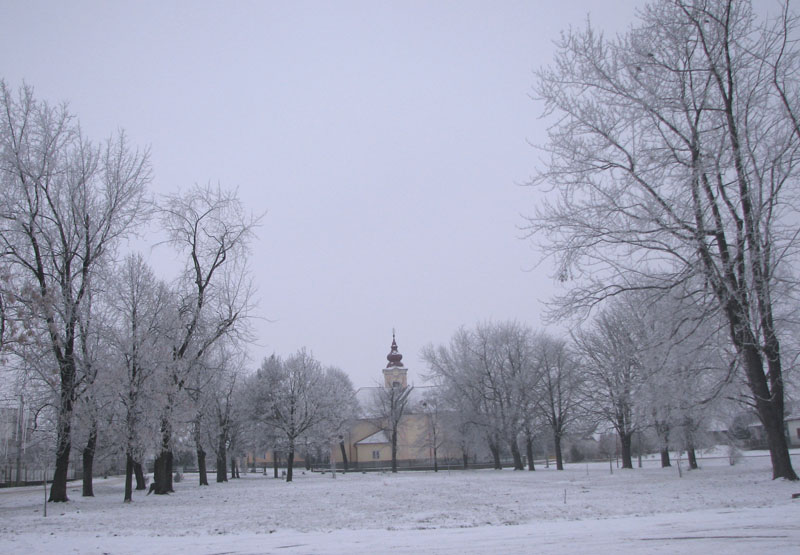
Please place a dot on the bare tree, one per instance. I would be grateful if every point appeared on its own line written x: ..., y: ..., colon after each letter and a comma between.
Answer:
x: 211, y: 227
x: 558, y: 390
x: 613, y: 374
x: 65, y: 203
x: 141, y: 311
x: 675, y: 157
x: 292, y: 398
x: 222, y: 394
x: 433, y: 407
x: 494, y: 372
x: 389, y: 407
x: 450, y: 368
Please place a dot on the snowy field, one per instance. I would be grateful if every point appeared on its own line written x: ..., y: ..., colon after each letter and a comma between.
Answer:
x: 585, y: 509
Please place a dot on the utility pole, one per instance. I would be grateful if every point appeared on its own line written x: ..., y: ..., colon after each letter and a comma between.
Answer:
x: 20, y: 432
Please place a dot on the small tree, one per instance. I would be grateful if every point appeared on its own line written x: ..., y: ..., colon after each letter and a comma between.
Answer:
x: 292, y: 398
x: 433, y: 409
x: 559, y: 389
x: 613, y: 375
x: 390, y: 405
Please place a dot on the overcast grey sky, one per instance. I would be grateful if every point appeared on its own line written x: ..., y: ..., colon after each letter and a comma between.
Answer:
x: 387, y: 142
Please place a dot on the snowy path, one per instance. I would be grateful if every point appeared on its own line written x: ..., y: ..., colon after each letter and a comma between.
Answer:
x: 746, y: 531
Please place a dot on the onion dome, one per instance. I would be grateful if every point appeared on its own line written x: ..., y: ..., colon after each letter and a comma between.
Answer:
x: 395, y: 359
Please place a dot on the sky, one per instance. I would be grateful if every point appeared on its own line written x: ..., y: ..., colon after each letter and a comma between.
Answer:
x: 387, y: 144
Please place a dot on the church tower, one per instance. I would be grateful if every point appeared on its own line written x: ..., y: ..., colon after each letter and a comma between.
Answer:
x: 395, y: 374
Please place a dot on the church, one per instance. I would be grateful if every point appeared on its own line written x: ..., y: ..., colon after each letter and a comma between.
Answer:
x: 423, y: 437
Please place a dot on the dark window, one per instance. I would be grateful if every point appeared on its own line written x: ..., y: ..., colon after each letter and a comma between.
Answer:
x: 376, y: 454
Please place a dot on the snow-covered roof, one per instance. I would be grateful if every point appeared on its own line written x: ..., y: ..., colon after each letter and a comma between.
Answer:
x: 376, y: 438
x: 366, y: 397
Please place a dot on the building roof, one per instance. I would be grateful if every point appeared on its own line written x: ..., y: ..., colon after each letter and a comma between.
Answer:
x: 366, y: 397
x: 375, y: 439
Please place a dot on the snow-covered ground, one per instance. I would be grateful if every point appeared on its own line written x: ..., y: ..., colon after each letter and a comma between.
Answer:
x: 735, y: 509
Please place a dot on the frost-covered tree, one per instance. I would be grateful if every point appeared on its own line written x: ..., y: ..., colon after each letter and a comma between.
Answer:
x: 389, y: 405
x: 293, y: 396
x: 674, y: 156
x: 141, y: 308
x: 613, y: 374
x: 558, y: 389
x: 65, y: 204
x: 211, y: 228
x: 493, y: 372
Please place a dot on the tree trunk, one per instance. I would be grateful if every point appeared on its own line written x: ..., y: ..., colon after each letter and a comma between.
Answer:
x: 274, y: 463
x: 529, y: 452
x: 493, y: 447
x: 771, y: 413
x: 137, y: 470
x: 222, y: 459
x: 344, y: 454
x: 88, y: 461
x: 625, y: 442
x: 465, y: 458
x: 307, y: 461
x: 201, y: 465
x: 162, y: 471
x: 517, y: 456
x: 559, y: 454
x: 769, y: 402
x: 169, y: 472
x: 665, y: 458
x: 692, y: 457
x: 201, y: 453
x: 128, y: 478
x: 435, y: 460
x: 289, y: 464
x: 58, y: 488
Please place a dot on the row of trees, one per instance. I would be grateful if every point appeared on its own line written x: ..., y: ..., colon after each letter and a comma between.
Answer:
x: 634, y: 368
x: 673, y: 169
x: 296, y: 401
x: 101, y: 347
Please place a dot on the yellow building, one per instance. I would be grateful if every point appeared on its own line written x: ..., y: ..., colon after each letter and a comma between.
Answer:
x: 421, y: 432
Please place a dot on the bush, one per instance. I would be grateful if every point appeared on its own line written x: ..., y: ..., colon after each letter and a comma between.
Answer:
x: 575, y: 453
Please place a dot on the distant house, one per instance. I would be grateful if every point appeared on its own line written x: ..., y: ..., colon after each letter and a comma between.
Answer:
x: 753, y: 435
x: 793, y: 430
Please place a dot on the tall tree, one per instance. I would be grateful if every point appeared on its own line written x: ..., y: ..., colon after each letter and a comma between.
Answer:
x: 558, y: 390
x: 213, y: 230
x: 390, y: 404
x: 675, y: 156
x: 141, y: 310
x: 65, y: 204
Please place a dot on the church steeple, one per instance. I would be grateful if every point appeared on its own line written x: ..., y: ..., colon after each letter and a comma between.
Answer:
x: 394, y: 357
x: 395, y: 374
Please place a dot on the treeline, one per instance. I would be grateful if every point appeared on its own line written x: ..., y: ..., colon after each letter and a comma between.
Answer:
x: 672, y: 165
x: 659, y: 369
x: 107, y: 356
